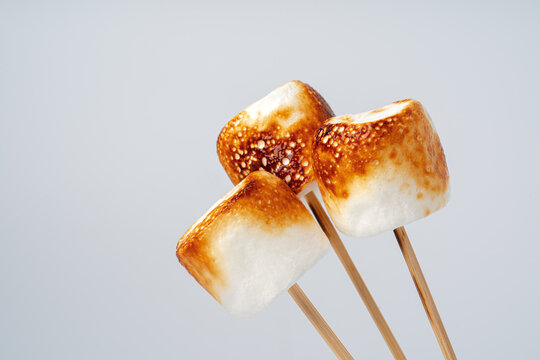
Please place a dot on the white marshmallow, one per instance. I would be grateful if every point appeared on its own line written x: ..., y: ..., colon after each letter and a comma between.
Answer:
x: 381, y: 169
x: 252, y: 245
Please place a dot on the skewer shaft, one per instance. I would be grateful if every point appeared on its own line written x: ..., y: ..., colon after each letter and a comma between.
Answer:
x: 361, y: 288
x: 425, y: 294
x: 319, y: 323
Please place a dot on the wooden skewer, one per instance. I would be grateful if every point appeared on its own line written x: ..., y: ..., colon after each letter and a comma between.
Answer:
x: 344, y: 257
x: 425, y: 294
x: 319, y: 323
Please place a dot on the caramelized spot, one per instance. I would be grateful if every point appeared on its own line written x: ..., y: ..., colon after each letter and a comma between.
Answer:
x: 285, y: 131
x: 196, y: 256
x: 405, y: 139
x: 282, y: 114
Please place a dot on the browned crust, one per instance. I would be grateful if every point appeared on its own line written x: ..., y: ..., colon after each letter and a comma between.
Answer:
x: 285, y: 152
x: 344, y: 150
x: 260, y: 198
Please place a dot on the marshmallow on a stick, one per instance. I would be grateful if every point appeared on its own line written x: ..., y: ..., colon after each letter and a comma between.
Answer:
x: 275, y: 134
x: 381, y: 169
x: 252, y: 245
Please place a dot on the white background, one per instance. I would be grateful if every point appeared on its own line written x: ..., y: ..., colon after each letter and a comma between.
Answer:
x: 109, y: 113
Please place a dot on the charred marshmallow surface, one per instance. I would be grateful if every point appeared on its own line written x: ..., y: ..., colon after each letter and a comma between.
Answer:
x: 275, y: 134
x: 252, y: 245
x: 381, y: 169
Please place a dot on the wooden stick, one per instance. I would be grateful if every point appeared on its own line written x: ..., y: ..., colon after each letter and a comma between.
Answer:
x: 425, y: 294
x: 361, y: 288
x: 319, y: 323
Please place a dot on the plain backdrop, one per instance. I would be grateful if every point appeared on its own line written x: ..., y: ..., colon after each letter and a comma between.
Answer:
x: 109, y: 114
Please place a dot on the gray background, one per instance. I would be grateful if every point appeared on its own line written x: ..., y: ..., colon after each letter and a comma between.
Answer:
x: 109, y: 113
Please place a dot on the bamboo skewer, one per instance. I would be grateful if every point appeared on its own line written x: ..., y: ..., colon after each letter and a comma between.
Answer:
x: 425, y: 294
x: 319, y: 323
x: 361, y: 288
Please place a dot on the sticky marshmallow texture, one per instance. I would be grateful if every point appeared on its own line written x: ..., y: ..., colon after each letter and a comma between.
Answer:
x: 275, y: 134
x: 252, y: 245
x: 381, y: 169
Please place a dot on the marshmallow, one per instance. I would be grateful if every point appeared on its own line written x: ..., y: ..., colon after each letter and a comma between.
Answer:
x: 381, y: 169
x: 252, y: 245
x: 275, y: 134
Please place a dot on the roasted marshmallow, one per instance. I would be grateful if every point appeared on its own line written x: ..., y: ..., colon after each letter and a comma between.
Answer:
x: 381, y: 169
x: 275, y: 134
x: 252, y: 245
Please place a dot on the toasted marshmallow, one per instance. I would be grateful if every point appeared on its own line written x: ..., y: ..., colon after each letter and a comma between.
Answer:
x: 381, y: 169
x: 275, y: 134
x: 252, y: 245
